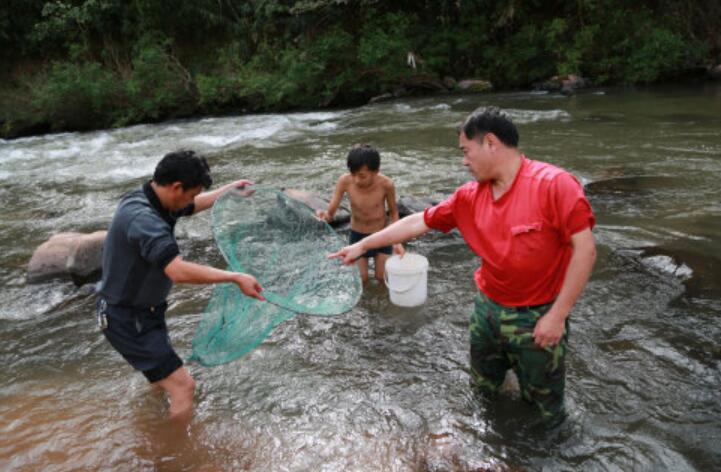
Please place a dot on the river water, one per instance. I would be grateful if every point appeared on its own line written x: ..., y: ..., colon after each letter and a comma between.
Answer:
x: 381, y: 387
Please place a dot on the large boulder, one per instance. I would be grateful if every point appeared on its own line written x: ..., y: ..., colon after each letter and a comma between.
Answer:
x: 49, y: 261
x: 85, y: 260
x: 424, y: 82
x: 342, y: 215
x: 409, y: 205
x: 68, y: 256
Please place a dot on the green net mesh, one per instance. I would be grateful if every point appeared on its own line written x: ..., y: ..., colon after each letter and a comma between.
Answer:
x: 280, y: 242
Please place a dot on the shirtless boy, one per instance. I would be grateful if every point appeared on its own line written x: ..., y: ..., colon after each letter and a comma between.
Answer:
x: 368, y: 191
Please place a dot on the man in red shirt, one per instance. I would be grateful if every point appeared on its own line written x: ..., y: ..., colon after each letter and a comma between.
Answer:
x: 531, y: 225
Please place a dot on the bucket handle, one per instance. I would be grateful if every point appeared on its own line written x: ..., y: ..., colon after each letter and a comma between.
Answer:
x: 410, y: 286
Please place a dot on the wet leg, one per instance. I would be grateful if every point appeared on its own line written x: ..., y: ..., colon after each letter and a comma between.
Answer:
x: 542, y: 378
x: 180, y: 387
x: 363, y: 267
x: 489, y: 362
x: 380, y: 266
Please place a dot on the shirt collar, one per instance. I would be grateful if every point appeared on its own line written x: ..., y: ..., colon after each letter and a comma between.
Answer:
x: 155, y: 203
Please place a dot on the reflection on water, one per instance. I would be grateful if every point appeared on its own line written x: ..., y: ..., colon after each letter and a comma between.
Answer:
x: 383, y: 387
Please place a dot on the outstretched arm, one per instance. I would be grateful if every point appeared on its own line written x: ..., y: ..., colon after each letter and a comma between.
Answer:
x: 393, y: 211
x: 402, y: 230
x: 328, y: 214
x: 205, y: 200
x: 180, y: 271
x: 549, y: 328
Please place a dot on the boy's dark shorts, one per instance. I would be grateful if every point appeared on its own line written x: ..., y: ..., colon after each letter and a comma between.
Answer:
x: 355, y: 236
x: 141, y: 337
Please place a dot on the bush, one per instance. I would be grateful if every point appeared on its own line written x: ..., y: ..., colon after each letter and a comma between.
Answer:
x: 659, y: 54
x: 520, y: 60
x: 219, y: 86
x: 77, y: 96
x: 385, y: 41
x: 159, y: 87
x: 311, y: 74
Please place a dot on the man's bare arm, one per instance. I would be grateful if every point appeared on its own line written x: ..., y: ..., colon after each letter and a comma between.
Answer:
x: 393, y: 210
x: 391, y: 200
x: 180, y: 271
x: 205, y: 200
x: 402, y: 230
x: 549, y: 327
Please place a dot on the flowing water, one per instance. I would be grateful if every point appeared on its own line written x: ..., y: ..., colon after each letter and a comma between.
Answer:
x: 381, y: 387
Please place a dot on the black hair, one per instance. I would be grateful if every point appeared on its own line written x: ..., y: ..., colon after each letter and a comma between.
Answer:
x: 183, y: 166
x: 363, y: 155
x: 490, y: 120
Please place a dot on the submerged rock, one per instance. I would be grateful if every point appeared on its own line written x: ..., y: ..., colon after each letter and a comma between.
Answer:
x: 699, y: 272
x: 630, y: 184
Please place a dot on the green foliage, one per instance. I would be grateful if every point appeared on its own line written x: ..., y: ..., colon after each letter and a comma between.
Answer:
x: 580, y: 49
x: 309, y: 75
x: 158, y: 84
x: 67, y: 23
x: 522, y: 59
x: 219, y: 86
x: 633, y: 46
x: 17, y: 18
x: 658, y: 54
x: 384, y: 45
x: 124, y: 61
x: 77, y: 96
x: 456, y: 49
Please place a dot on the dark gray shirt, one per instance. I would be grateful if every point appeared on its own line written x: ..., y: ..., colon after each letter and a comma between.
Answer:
x: 139, y: 245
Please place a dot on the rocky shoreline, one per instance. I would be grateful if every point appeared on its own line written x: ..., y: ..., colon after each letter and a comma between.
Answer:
x: 24, y: 121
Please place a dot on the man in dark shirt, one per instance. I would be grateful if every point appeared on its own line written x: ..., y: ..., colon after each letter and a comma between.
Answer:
x: 141, y: 261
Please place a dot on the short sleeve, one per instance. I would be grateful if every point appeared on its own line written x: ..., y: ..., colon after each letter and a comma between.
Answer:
x: 572, y: 212
x: 581, y: 218
x: 441, y: 216
x: 154, y: 238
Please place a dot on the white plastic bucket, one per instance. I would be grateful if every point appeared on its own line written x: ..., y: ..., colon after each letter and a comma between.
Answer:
x: 407, y: 279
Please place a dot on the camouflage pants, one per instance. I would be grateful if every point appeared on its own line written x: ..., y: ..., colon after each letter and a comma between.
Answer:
x: 502, y: 339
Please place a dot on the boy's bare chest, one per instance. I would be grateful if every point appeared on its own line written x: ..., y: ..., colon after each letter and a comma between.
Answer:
x: 367, y: 198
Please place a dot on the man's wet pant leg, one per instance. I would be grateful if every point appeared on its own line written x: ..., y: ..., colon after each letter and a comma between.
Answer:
x: 502, y: 338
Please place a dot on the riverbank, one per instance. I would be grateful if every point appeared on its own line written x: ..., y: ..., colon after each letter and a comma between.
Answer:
x: 73, y: 66
x: 19, y: 118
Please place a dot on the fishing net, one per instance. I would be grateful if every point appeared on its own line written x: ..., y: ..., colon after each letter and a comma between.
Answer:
x: 279, y: 241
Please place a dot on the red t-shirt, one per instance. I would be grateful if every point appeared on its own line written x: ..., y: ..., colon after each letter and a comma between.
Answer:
x: 524, y: 237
